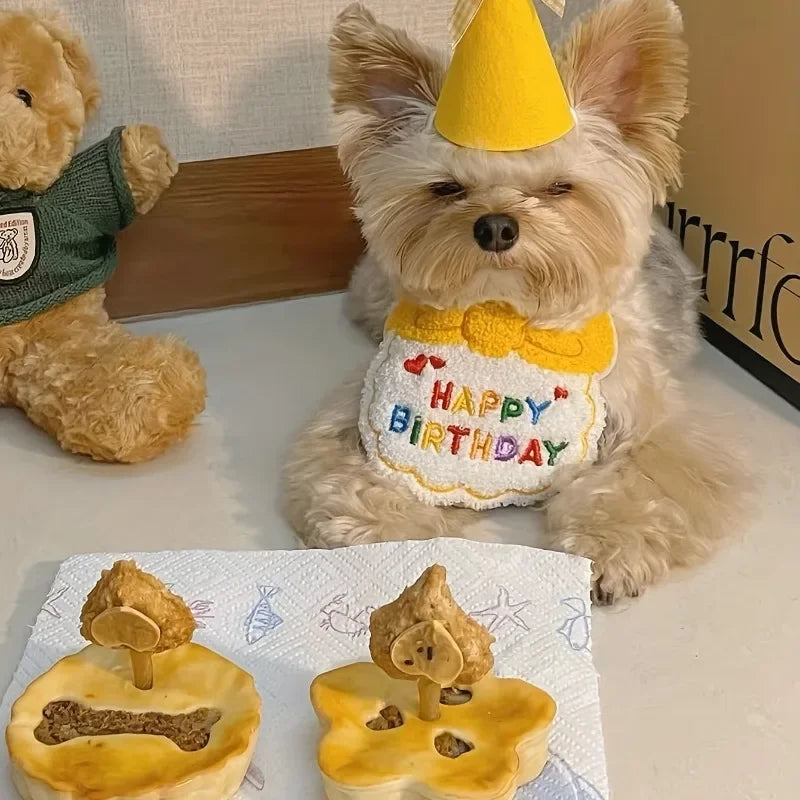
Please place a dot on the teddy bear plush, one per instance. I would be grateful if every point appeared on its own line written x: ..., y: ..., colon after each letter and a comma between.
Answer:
x: 87, y: 381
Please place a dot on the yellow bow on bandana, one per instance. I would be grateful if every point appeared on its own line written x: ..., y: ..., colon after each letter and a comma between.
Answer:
x: 502, y: 91
x: 495, y: 330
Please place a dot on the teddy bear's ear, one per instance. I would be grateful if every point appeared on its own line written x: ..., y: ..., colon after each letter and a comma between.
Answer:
x: 77, y: 57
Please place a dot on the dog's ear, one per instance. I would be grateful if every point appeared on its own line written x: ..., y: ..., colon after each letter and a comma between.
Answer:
x: 378, y: 70
x: 628, y: 63
x: 77, y: 57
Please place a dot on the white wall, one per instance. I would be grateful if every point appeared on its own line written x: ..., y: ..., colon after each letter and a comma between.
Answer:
x: 231, y: 77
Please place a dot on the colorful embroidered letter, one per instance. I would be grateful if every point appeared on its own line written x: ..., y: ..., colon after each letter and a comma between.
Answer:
x: 489, y: 402
x: 401, y: 416
x: 416, y: 429
x: 554, y: 450
x: 464, y: 400
x: 536, y: 411
x: 458, y: 435
x: 481, y: 445
x: 533, y: 452
x: 506, y: 448
x: 511, y: 408
x: 441, y: 398
x: 433, y: 436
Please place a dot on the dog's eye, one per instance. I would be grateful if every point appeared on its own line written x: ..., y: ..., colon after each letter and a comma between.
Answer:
x: 25, y: 96
x: 447, y: 189
x: 558, y: 188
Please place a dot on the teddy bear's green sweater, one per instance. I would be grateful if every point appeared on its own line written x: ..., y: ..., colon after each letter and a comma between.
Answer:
x: 59, y: 244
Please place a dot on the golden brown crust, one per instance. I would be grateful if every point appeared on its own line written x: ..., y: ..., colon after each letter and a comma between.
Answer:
x: 126, y: 585
x: 429, y: 599
x: 507, y: 720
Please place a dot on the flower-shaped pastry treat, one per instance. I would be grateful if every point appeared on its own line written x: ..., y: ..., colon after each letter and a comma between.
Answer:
x: 476, y: 738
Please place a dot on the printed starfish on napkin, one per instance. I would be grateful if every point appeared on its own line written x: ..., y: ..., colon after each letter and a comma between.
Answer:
x: 49, y: 603
x: 503, y: 611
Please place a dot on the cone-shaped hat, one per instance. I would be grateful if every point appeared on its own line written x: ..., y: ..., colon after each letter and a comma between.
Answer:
x: 502, y: 91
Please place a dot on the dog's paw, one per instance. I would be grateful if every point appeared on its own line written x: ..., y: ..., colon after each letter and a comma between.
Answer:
x: 612, y: 583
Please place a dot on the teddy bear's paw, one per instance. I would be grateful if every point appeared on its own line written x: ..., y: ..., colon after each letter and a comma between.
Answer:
x: 107, y: 394
x: 157, y: 389
x: 148, y: 164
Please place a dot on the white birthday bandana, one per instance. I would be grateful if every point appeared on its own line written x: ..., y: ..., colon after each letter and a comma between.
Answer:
x: 478, y: 408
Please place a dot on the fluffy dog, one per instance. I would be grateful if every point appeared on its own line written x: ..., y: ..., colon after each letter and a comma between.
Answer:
x: 663, y: 490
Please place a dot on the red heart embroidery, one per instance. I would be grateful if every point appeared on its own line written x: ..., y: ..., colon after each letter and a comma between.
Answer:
x: 436, y: 362
x: 560, y: 393
x: 415, y: 365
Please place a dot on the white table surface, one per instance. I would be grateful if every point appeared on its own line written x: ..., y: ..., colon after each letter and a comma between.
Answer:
x: 699, y: 680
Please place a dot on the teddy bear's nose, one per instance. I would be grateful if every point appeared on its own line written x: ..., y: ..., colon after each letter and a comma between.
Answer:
x: 496, y: 232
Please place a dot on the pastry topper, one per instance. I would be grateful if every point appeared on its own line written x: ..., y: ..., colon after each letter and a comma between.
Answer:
x: 502, y: 91
x: 135, y: 611
x: 425, y: 636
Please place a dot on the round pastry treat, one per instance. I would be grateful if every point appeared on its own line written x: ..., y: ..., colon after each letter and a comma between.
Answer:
x: 85, y: 731
x: 460, y: 733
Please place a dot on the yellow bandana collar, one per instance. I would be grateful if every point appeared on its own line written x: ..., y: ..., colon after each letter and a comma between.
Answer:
x: 495, y: 330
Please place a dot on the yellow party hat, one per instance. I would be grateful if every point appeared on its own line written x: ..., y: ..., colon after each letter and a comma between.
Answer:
x: 502, y: 91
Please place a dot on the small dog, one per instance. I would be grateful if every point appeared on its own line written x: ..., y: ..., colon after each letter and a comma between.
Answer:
x: 663, y: 490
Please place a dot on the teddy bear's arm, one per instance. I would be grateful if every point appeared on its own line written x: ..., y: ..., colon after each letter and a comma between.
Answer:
x: 107, y: 185
x: 147, y: 164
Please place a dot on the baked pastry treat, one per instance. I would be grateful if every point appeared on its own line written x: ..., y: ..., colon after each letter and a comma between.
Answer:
x: 461, y: 733
x: 85, y: 730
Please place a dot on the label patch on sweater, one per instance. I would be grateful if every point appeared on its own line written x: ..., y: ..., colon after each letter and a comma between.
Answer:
x: 463, y: 426
x: 19, y: 248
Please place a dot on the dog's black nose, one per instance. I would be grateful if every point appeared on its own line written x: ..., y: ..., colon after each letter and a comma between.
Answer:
x: 496, y: 232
